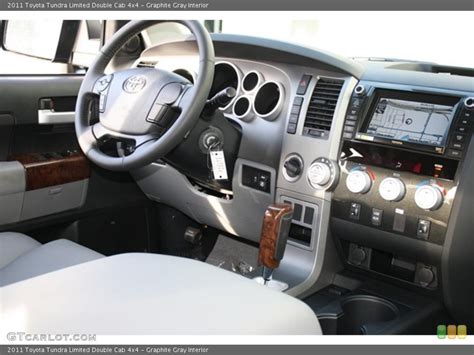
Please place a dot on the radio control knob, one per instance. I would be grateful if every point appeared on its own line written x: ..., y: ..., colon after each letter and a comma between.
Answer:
x: 392, y: 189
x: 429, y: 197
x: 359, y: 90
x: 469, y: 102
x: 358, y: 182
x: 319, y: 174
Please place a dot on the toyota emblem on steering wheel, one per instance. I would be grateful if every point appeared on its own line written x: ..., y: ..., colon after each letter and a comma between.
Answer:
x: 134, y: 84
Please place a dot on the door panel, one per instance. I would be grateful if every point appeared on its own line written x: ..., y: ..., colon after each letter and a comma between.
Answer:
x: 54, y: 169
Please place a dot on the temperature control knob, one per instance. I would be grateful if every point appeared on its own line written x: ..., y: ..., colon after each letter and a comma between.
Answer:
x: 319, y: 174
x: 428, y: 197
x: 358, y: 182
x: 392, y: 189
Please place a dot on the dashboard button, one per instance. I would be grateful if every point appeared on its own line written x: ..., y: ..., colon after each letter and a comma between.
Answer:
x: 297, y: 212
x: 466, y: 117
x: 353, y: 111
x: 399, y: 220
x: 298, y: 101
x: 350, y: 123
x: 303, y: 85
x: 293, y: 118
x: 356, y: 103
x: 423, y: 229
x: 459, y: 138
x: 291, y: 128
x: 308, y: 215
x: 349, y: 129
x: 347, y: 135
x: 354, y: 212
x: 461, y: 129
x: 376, y: 218
x: 454, y: 153
x: 457, y: 146
x: 295, y: 110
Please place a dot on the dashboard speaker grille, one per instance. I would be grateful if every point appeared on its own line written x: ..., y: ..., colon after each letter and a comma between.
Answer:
x: 322, y: 106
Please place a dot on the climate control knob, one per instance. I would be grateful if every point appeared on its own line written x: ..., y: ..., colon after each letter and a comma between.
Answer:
x: 392, y: 189
x: 319, y: 174
x: 428, y: 197
x: 358, y: 182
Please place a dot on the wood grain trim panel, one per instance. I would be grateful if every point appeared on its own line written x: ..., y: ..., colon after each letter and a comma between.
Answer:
x: 41, y: 172
x: 270, y: 231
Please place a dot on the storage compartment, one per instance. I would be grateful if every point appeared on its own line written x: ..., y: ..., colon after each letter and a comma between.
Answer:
x: 359, y: 315
x: 12, y: 190
x: 54, y: 199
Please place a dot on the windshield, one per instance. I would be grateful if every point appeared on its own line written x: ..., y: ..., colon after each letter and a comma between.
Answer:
x: 439, y: 37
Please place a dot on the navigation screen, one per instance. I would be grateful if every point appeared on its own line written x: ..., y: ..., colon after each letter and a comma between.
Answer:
x: 411, y: 121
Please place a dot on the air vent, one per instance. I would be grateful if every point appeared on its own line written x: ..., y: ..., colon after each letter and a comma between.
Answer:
x: 321, y: 107
x: 146, y: 64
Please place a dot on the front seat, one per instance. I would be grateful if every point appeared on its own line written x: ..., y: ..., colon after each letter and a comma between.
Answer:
x: 22, y: 257
x: 143, y: 294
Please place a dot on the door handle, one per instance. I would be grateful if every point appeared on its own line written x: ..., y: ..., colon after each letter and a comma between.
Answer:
x: 48, y: 116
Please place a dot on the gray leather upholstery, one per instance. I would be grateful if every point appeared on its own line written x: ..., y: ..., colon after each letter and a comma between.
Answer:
x: 152, y: 294
x: 21, y: 257
x: 12, y: 245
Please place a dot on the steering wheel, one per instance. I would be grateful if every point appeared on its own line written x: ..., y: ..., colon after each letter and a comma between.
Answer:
x: 149, y: 108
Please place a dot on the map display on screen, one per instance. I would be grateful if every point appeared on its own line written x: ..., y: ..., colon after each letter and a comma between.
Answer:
x: 411, y: 121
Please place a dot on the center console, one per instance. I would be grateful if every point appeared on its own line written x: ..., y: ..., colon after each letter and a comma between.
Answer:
x: 372, y: 170
x: 402, y: 150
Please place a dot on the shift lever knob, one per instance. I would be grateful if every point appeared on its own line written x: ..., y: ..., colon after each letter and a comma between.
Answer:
x: 275, y: 229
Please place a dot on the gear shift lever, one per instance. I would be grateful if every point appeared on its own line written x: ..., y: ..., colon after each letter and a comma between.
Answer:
x: 275, y: 229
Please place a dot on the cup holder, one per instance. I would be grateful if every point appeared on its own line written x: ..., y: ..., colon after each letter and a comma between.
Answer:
x: 359, y: 315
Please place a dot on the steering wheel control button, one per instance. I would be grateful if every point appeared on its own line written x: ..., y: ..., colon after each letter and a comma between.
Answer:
x: 399, y: 220
x: 429, y: 197
x: 169, y: 94
x: 304, y: 83
x: 354, y: 212
x: 376, y: 218
x: 392, y: 189
x: 102, y: 83
x: 423, y: 229
x: 102, y: 101
x: 358, y: 182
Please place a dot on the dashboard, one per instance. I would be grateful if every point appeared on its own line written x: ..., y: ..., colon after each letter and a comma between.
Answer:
x: 372, y: 156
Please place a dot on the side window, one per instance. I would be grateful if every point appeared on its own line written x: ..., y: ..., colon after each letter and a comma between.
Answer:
x: 48, y: 47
